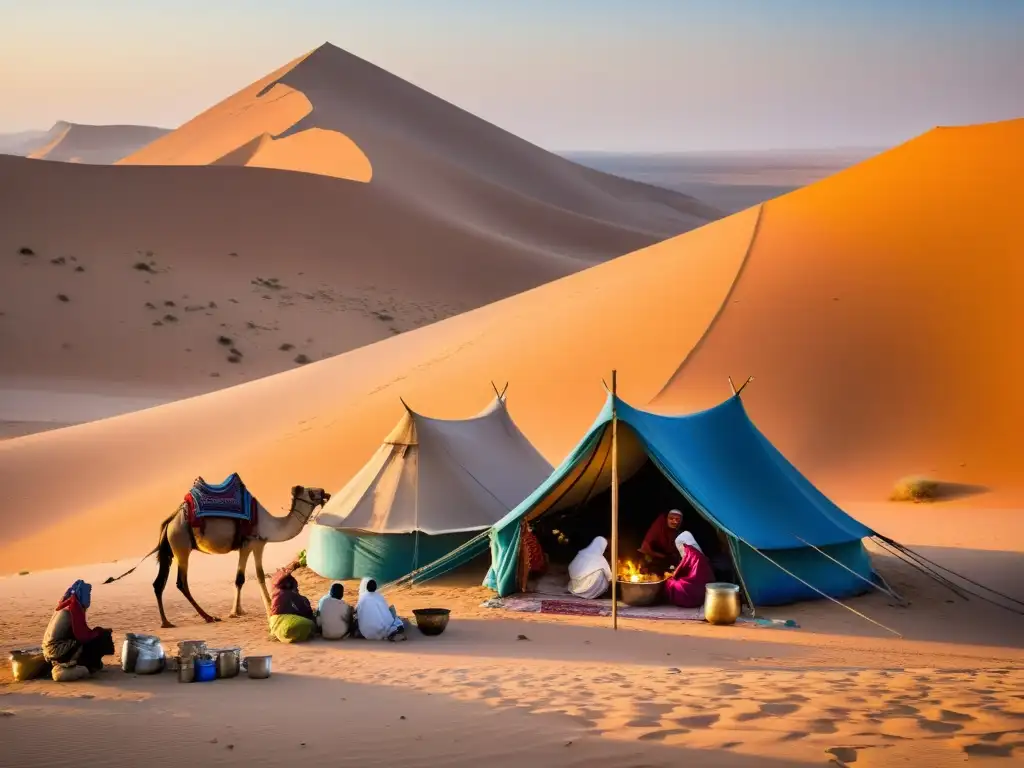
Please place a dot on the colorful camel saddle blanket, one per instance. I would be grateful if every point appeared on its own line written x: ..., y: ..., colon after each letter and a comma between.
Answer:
x: 229, y: 499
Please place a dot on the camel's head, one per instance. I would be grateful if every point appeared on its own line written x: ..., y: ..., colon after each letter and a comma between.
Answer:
x: 305, y: 500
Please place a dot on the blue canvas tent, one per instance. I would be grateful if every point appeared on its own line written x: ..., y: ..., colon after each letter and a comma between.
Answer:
x: 787, y: 541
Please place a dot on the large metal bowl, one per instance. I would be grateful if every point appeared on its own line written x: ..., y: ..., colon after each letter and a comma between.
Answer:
x: 640, y: 593
x: 432, y: 621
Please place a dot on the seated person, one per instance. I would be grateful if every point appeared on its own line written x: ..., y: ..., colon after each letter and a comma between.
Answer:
x: 685, y: 587
x: 659, y: 548
x: 334, y: 615
x: 590, y: 575
x: 376, y: 619
x: 536, y: 559
x: 291, y: 616
x: 69, y: 641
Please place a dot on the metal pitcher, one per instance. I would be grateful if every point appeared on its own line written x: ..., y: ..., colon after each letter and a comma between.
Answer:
x: 186, y: 670
x: 228, y: 662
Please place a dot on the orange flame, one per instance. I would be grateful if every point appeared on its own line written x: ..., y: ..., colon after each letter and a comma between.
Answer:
x: 631, y: 572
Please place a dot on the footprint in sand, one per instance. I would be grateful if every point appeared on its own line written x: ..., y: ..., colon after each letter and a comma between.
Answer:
x: 697, y: 721
x: 770, y: 709
x: 937, y: 726
x: 950, y: 716
x: 823, y: 726
x: 843, y: 754
x: 989, y: 750
x: 663, y: 734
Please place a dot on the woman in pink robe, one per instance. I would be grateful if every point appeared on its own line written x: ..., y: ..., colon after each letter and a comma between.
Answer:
x: 685, y: 587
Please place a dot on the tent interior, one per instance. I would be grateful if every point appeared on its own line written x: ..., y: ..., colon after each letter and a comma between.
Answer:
x: 579, y: 508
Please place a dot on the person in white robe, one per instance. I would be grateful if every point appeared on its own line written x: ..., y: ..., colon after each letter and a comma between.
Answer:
x: 590, y: 575
x: 374, y: 617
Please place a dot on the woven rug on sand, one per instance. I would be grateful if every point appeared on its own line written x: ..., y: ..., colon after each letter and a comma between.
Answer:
x: 537, y: 603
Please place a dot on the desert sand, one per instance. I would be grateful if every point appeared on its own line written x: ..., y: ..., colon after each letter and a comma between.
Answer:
x: 876, y: 310
x: 891, y: 404
x: 165, y: 282
x: 94, y: 144
x: 873, y: 309
x: 504, y: 687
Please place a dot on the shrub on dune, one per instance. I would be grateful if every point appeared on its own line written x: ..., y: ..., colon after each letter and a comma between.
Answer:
x: 915, y: 489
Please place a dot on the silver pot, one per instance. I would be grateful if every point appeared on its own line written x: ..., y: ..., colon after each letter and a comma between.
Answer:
x: 228, y: 661
x: 257, y: 667
x: 148, y: 664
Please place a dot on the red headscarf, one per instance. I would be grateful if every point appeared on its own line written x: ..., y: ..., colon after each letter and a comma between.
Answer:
x: 660, y: 540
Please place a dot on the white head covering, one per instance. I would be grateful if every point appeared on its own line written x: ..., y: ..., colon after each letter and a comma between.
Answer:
x: 687, y: 538
x: 590, y: 560
x: 373, y: 614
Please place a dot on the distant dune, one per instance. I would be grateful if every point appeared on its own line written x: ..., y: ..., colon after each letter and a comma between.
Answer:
x: 23, y: 142
x: 415, y: 146
x: 179, y: 280
x: 876, y: 310
x: 730, y: 181
x: 93, y: 144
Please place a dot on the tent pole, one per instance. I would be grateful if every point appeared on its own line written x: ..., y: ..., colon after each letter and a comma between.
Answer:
x: 615, y: 508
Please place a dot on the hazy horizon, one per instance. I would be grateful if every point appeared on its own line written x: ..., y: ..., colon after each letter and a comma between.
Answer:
x: 599, y: 76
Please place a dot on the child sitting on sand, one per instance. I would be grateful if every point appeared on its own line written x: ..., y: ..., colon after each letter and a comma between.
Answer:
x: 334, y: 615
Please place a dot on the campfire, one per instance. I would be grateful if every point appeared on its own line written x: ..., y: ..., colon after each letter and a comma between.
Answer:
x: 634, y: 574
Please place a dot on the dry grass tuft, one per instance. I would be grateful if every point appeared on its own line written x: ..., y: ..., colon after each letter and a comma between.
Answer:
x: 916, y: 489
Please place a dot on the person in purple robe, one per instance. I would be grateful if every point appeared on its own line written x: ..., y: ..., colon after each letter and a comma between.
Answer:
x: 685, y: 587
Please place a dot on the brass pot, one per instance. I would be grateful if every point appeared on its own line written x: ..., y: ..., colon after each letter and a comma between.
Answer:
x: 721, y: 603
x: 640, y: 593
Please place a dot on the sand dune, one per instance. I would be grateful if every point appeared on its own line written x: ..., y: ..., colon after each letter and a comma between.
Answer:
x: 420, y: 147
x: 831, y: 395
x: 93, y: 144
x: 172, y: 281
x: 22, y: 142
x: 878, y: 311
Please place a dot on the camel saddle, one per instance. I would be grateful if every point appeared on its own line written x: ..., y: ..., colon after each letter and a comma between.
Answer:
x: 229, y: 499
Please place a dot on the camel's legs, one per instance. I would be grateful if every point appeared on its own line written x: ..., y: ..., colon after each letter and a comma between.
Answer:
x: 164, y: 557
x: 261, y: 577
x: 181, y: 545
x: 243, y: 558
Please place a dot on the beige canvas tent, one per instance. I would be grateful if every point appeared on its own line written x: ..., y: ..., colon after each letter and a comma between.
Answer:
x: 431, y: 486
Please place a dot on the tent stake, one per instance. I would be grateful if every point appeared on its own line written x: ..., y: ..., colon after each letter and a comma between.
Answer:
x: 615, y: 508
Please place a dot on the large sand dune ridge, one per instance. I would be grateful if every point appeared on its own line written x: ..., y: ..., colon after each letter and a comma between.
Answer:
x: 879, y: 312
x: 644, y: 314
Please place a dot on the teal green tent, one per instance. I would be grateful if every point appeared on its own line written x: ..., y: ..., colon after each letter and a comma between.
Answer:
x: 786, y: 541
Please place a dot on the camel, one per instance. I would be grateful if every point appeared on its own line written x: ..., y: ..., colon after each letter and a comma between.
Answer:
x: 220, y: 536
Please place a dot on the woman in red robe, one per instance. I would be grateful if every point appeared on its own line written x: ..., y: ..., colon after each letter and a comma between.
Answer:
x: 659, y: 547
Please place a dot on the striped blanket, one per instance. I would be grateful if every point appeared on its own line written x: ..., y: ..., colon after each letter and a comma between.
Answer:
x: 228, y: 499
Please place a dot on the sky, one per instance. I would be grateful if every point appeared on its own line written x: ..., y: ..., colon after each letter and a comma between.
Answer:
x: 569, y: 75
